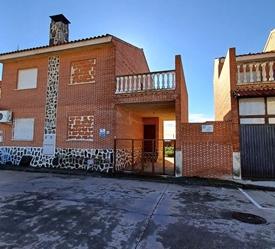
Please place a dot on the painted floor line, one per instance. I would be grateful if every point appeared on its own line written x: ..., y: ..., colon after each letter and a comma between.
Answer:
x: 253, y: 201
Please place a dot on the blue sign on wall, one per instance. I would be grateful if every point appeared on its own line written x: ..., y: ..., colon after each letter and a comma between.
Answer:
x: 102, y: 133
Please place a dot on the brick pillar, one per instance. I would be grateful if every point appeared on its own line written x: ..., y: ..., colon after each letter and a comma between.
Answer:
x: 181, y: 109
x: 235, y: 116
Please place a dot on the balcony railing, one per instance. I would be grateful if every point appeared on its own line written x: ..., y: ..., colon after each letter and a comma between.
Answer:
x: 255, y: 72
x: 162, y: 80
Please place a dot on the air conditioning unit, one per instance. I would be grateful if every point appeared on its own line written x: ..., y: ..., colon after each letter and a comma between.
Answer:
x: 5, y: 116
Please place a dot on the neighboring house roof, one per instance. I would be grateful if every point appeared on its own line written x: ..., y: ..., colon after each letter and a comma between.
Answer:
x: 270, y: 42
x: 68, y: 45
x: 251, y: 56
x: 258, y: 53
x: 254, y: 90
x: 269, y: 48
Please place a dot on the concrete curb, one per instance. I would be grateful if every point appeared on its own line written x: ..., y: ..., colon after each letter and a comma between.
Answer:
x: 211, y: 182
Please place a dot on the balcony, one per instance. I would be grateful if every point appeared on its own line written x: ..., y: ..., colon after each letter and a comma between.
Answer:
x: 146, y: 82
x: 255, y: 72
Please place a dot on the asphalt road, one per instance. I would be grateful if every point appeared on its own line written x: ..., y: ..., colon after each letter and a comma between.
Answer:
x: 39, y: 210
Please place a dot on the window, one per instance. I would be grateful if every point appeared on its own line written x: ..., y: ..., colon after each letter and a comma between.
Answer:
x: 27, y: 78
x: 23, y: 129
x: 271, y: 105
x: 257, y: 110
x: 252, y: 121
x: 252, y: 106
x: 1, y: 136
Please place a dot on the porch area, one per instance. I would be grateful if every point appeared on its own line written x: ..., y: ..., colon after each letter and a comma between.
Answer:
x: 145, y: 138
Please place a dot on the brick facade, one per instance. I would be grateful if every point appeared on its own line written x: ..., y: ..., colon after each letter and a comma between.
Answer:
x: 129, y: 59
x: 207, y: 154
x: 87, y: 99
x: 29, y: 103
x: 181, y: 105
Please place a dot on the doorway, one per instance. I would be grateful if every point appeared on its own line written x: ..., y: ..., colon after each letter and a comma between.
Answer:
x: 149, y: 135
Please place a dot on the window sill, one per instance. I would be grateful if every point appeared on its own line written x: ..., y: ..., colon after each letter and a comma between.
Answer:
x: 81, y: 83
x: 21, y: 140
x: 79, y: 140
x: 17, y: 89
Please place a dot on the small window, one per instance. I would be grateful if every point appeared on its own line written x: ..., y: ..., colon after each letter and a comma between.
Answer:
x: 1, y: 136
x: 252, y: 120
x: 252, y: 106
x: 27, y: 78
x: 271, y: 120
x: 271, y: 105
x: 23, y: 129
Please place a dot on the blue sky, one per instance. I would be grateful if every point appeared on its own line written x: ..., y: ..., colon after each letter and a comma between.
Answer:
x: 199, y: 30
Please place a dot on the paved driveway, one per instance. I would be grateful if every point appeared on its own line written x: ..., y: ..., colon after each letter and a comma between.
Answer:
x: 59, y: 211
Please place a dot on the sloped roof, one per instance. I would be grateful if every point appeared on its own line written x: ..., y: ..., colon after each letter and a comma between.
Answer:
x: 253, y: 89
x: 48, y: 46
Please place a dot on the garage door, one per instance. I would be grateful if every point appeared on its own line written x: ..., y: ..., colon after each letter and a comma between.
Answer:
x: 258, y: 151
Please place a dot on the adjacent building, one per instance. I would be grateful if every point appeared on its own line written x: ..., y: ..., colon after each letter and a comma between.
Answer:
x: 244, y: 90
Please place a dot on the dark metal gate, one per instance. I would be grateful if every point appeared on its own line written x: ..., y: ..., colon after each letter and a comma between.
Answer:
x: 258, y: 151
x: 145, y: 156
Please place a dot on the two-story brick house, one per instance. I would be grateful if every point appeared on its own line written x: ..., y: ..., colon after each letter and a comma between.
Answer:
x: 244, y: 90
x: 63, y: 104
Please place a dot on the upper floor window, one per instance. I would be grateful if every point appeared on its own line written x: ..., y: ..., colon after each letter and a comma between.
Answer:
x: 83, y: 71
x: 27, y: 78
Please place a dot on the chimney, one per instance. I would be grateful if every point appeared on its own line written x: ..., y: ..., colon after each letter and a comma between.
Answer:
x: 59, y: 30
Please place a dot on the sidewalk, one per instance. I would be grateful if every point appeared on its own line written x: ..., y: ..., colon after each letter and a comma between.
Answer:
x: 266, y: 184
x: 227, y: 183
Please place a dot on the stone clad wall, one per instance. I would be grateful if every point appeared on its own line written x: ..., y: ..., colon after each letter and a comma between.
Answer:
x: 59, y: 33
x: 52, y: 94
x: 69, y: 158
